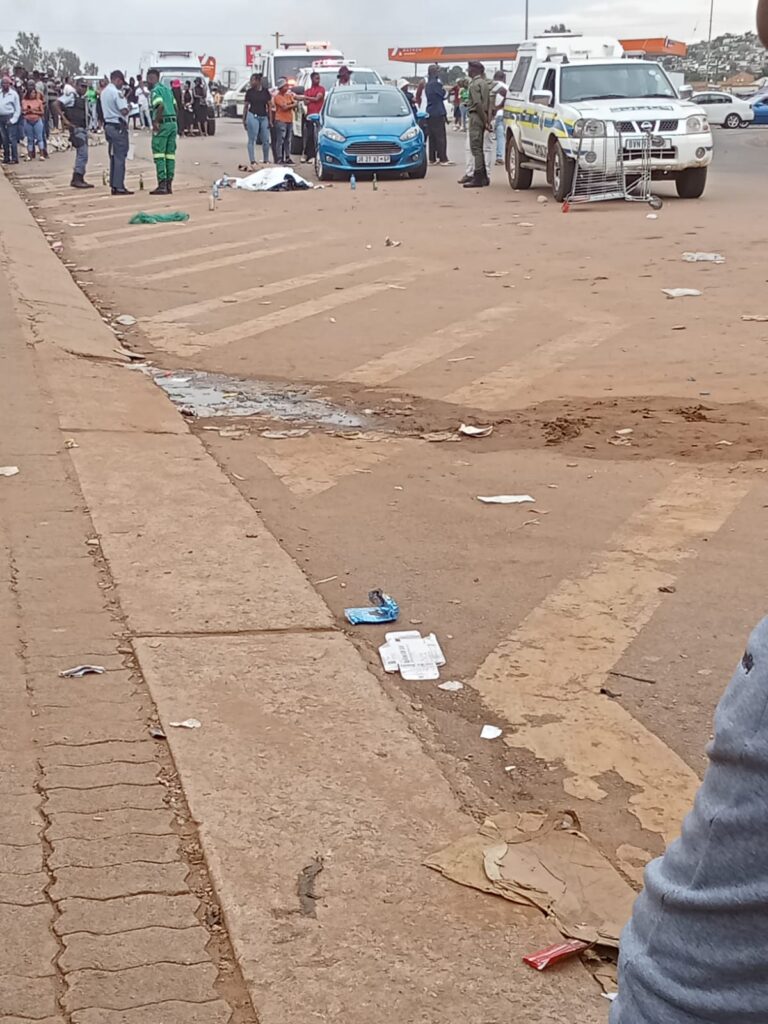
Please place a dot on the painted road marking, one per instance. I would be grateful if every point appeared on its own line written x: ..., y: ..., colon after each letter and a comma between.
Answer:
x: 133, y: 236
x: 183, y: 314
x: 223, y: 261
x: 281, y: 317
x: 552, y: 667
x: 403, y: 360
x: 516, y: 379
x: 210, y: 250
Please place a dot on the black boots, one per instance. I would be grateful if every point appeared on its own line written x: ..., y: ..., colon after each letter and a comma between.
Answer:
x: 479, y: 179
x: 78, y: 181
x: 161, y: 190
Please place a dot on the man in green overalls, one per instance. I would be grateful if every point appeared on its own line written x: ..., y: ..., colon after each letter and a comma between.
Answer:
x: 164, y: 129
x: 480, y: 115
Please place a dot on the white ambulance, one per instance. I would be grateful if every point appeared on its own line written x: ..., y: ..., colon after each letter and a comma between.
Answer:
x: 565, y: 85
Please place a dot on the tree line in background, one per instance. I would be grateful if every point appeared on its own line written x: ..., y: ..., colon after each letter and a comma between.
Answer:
x: 28, y: 51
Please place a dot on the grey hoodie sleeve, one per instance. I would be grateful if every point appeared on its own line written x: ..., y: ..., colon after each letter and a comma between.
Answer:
x: 696, y: 947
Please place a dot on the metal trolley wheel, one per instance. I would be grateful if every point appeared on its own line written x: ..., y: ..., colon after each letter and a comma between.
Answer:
x: 655, y: 202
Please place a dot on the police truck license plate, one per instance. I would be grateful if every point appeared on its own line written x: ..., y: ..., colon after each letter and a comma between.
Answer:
x: 373, y: 158
x: 640, y: 143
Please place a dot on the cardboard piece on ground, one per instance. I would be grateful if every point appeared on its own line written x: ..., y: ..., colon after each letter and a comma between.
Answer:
x: 533, y: 860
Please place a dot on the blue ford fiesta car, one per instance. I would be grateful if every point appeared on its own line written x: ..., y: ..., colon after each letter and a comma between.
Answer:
x: 368, y: 128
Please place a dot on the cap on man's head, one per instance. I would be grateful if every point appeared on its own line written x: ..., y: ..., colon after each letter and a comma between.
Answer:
x: 281, y: 82
x: 477, y: 66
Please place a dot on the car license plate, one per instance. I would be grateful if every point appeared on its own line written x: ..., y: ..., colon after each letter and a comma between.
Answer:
x: 374, y: 158
x: 639, y: 143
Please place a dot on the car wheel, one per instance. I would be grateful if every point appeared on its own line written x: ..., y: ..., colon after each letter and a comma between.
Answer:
x: 520, y: 178
x: 732, y: 121
x: 421, y: 170
x: 690, y: 184
x: 321, y: 171
x: 562, y: 171
x: 745, y: 124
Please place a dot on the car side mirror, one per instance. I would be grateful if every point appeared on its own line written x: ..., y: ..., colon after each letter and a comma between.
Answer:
x: 314, y: 118
x: 421, y: 115
x: 685, y: 92
x: 543, y: 97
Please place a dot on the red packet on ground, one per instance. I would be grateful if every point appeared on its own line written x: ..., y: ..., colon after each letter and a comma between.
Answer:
x: 554, y: 954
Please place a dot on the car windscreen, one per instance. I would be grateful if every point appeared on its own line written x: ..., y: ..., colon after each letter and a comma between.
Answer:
x: 328, y: 78
x: 625, y: 80
x: 370, y: 103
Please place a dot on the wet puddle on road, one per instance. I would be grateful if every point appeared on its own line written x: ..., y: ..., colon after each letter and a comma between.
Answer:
x: 214, y: 394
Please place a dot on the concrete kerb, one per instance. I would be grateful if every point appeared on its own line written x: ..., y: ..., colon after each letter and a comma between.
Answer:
x: 232, y: 632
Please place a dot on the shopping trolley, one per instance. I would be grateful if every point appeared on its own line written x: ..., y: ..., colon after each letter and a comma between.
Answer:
x: 612, y: 167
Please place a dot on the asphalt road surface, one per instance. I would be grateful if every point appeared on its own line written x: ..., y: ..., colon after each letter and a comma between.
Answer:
x: 597, y: 624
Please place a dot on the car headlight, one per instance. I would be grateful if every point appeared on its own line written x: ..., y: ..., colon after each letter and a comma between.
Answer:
x: 410, y: 133
x: 696, y: 124
x: 589, y: 127
x: 333, y: 135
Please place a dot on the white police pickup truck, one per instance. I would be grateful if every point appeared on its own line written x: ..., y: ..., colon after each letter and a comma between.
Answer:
x: 562, y: 85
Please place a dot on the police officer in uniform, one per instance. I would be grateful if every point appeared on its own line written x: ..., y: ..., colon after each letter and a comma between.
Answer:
x: 164, y: 132
x: 480, y: 106
x: 73, y: 105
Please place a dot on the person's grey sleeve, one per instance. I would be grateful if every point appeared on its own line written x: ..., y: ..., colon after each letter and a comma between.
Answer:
x: 695, y: 950
x: 67, y: 99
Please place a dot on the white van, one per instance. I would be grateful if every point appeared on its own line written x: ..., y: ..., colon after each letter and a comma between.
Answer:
x: 185, y: 66
x: 288, y: 60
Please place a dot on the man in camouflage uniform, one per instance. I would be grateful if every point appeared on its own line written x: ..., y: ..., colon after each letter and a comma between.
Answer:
x: 480, y: 107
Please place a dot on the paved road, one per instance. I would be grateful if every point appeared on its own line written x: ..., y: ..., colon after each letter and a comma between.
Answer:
x: 597, y: 624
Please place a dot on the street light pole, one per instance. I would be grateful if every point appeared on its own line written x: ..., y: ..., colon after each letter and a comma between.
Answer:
x: 526, y: 20
x: 709, y: 42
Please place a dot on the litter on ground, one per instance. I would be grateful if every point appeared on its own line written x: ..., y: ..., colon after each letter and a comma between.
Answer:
x: 384, y: 609
x: 469, y: 431
x: 754, y: 319
x: 703, y: 257
x: 159, y: 218
x: 546, y: 862
x: 9, y: 470
x: 681, y: 293
x: 505, y: 499
x: 125, y: 320
x: 451, y: 685
x: 490, y: 732
x: 188, y: 723
x: 414, y: 656
x: 280, y: 435
x: 555, y: 954
x: 391, y: 243
x: 82, y: 670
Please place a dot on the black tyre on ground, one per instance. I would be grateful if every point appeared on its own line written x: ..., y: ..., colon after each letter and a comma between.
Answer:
x: 562, y: 169
x: 211, y: 125
x: 420, y: 171
x: 520, y: 178
x: 321, y: 171
x: 690, y: 184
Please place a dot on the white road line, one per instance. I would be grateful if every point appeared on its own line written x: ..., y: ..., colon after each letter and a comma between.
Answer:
x: 401, y: 361
x: 545, y: 678
x: 498, y: 389
x: 183, y: 314
x: 292, y: 314
x: 209, y: 250
x: 232, y: 260
x: 148, y: 236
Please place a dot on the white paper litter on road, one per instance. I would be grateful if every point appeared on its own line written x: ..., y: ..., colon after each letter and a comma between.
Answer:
x: 754, y: 319
x: 415, y: 657
x: 703, y: 257
x: 279, y: 435
x: 82, y: 670
x: 188, y: 723
x: 451, y: 686
x: 469, y: 431
x: 125, y: 320
x: 610, y: 995
x: 625, y: 431
x: 651, y: 216
x: 9, y: 470
x: 490, y: 732
x: 681, y: 293
x: 505, y: 499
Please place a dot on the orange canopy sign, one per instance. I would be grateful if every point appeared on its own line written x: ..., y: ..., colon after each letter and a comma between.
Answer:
x: 208, y: 65
x: 661, y: 46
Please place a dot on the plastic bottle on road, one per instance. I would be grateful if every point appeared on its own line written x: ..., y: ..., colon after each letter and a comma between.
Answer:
x: 375, y: 183
x: 353, y: 183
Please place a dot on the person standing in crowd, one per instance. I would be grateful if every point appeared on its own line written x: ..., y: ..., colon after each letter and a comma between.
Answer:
x: 405, y: 88
x: 142, y: 101
x: 434, y: 92
x: 314, y: 98
x: 283, y: 104
x: 115, y: 108
x: 200, y: 106
x: 178, y: 99
x: 10, y: 116
x: 75, y: 114
x: 188, y: 105
x: 499, y: 94
x: 164, y: 133
x: 33, y: 113
x: 480, y: 108
x: 463, y: 103
x: 257, y: 119
x: 456, y: 103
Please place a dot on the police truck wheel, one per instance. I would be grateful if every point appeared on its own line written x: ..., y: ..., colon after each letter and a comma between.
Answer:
x: 691, y: 183
x: 519, y: 177
x: 562, y: 171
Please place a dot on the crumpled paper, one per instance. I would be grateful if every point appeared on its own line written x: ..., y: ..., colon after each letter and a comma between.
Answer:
x: 535, y: 861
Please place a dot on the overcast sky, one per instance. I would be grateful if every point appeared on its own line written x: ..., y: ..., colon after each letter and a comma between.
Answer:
x: 115, y: 34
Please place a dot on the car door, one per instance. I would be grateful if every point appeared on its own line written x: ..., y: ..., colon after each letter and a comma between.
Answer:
x: 534, y: 132
x: 720, y: 105
x: 761, y: 111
